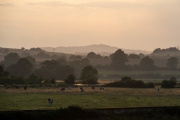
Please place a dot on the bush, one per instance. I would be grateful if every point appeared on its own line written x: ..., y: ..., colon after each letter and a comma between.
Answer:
x: 168, y: 84
x: 150, y: 85
x: 70, y: 79
x: 127, y: 82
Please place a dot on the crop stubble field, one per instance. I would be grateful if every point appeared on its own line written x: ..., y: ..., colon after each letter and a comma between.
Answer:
x: 36, y: 98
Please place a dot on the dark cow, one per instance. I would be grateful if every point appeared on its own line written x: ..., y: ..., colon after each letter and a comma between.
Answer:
x: 25, y: 87
x: 43, y: 87
x: 50, y: 101
x: 7, y: 87
x: 17, y: 87
x: 102, y: 88
x: 82, y: 90
x: 62, y: 88
x: 93, y: 88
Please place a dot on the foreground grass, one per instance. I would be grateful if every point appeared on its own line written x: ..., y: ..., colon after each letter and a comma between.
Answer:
x: 36, y: 98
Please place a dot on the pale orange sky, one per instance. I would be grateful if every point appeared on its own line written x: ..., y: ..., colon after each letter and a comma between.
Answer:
x: 131, y: 24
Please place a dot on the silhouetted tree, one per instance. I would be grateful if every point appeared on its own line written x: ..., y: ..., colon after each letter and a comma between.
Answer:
x: 157, y: 50
x: 70, y: 79
x: 172, y: 63
x: 62, y: 71
x: 49, y: 64
x: 118, y: 59
x: 147, y: 63
x: 10, y: 59
x: 22, y: 68
x: 89, y: 75
x: 44, y: 73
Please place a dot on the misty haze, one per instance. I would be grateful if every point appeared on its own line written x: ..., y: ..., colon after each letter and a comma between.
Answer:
x: 90, y: 60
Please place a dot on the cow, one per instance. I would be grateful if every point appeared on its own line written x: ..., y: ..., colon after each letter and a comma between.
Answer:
x: 50, y: 101
x: 102, y: 88
x: 7, y: 87
x: 17, y: 87
x: 43, y: 87
x: 93, y: 88
x: 25, y: 87
x: 157, y: 89
x: 82, y: 90
x: 69, y: 87
x: 62, y: 88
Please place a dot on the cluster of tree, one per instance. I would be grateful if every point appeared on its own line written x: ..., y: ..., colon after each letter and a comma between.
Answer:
x: 119, y: 58
x: 75, y: 57
x: 93, y: 55
x: 157, y: 50
x: 89, y: 75
x: 36, y: 49
x: 128, y: 82
x: 7, y: 79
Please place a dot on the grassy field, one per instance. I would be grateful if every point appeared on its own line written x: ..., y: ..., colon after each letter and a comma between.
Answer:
x: 162, y: 72
x: 36, y: 98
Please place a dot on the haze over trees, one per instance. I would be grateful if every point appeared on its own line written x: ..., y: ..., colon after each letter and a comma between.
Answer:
x: 118, y: 60
x: 147, y: 63
x: 22, y: 68
x: 172, y: 63
x: 11, y: 58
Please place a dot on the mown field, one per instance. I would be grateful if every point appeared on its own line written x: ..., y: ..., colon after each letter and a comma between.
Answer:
x: 36, y: 98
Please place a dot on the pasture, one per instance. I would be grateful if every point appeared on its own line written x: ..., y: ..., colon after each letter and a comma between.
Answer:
x: 36, y: 98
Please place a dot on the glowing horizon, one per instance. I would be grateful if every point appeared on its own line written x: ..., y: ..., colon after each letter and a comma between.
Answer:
x: 130, y: 24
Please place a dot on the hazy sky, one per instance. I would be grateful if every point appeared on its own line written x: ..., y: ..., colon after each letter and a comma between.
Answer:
x: 132, y: 24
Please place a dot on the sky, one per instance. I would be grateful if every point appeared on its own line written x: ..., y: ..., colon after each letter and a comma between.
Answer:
x: 130, y: 24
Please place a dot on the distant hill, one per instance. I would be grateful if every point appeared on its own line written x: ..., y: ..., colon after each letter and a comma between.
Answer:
x: 100, y: 49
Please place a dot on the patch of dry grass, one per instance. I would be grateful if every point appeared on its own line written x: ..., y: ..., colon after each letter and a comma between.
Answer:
x: 89, y: 90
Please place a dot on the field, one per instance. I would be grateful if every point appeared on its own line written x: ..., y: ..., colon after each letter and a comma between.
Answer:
x: 36, y: 98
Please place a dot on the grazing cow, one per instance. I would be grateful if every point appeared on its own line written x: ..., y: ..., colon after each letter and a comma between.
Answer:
x: 7, y: 87
x: 50, y: 101
x: 43, y: 87
x: 69, y: 87
x: 82, y: 90
x: 25, y: 87
x: 93, y: 88
x: 17, y: 87
x: 102, y: 88
x: 62, y: 88
x: 157, y: 89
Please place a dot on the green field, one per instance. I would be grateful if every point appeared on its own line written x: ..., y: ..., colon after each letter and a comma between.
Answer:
x: 36, y: 98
